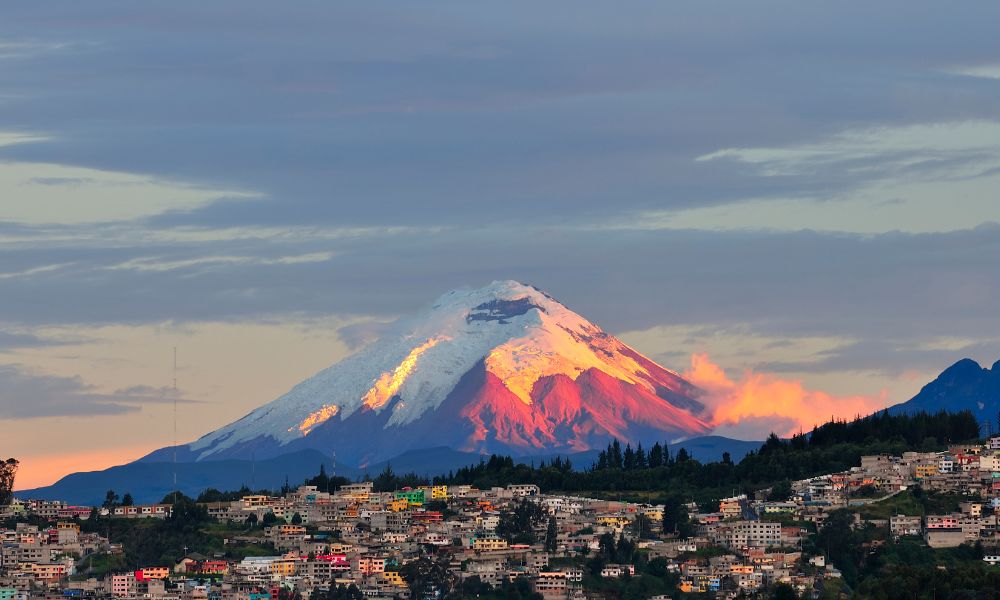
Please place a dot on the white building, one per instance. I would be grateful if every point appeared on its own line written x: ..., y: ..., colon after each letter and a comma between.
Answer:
x: 522, y: 490
x: 613, y: 570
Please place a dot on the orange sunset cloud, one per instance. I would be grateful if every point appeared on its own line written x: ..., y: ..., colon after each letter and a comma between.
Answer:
x: 769, y: 402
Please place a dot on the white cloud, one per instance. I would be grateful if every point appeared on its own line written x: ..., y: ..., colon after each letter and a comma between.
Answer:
x: 34, y: 271
x: 981, y: 71
x: 917, y: 178
x: 27, y: 394
x: 906, y: 145
x: 158, y: 264
x: 43, y: 193
x: 18, y: 50
x: 10, y: 138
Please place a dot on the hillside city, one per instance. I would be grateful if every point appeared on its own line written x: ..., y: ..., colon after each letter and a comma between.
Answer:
x: 513, y: 541
x: 451, y: 300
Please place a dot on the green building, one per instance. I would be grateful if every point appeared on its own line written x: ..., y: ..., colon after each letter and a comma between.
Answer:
x: 412, y: 497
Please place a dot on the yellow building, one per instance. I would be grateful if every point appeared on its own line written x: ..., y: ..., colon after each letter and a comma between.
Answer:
x: 923, y: 471
x: 653, y: 514
x: 439, y: 492
x: 394, y: 578
x: 291, y: 530
x: 613, y: 521
x: 284, y: 567
x: 398, y: 504
x: 489, y: 543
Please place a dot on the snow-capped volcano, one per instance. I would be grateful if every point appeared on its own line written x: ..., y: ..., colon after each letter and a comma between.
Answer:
x: 503, y: 368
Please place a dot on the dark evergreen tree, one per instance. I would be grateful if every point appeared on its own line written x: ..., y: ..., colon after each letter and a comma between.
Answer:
x: 342, y: 592
x: 780, y: 491
x: 8, y: 471
x: 783, y: 591
x: 552, y: 536
x: 607, y: 547
x: 602, y: 461
x: 624, y: 550
x: 640, y: 458
x: 615, y: 459
x: 656, y: 456
x: 110, y: 499
x: 427, y: 578
x: 518, y: 526
x: 675, y: 517
x: 628, y: 459
x: 320, y: 481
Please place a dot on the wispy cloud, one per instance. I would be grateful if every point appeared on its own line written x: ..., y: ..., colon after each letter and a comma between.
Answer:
x: 158, y: 264
x: 25, y: 394
x: 20, y: 339
x: 46, y: 193
x: 987, y: 71
x: 862, y: 181
x: 361, y: 333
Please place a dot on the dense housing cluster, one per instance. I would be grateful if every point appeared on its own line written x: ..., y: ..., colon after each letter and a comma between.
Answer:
x: 424, y: 541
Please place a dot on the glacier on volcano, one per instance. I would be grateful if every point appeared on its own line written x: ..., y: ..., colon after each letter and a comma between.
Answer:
x: 502, y: 368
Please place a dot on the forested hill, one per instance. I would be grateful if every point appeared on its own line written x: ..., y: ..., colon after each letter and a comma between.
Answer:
x: 834, y: 446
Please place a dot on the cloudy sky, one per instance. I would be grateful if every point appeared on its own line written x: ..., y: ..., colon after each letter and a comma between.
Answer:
x: 805, y: 191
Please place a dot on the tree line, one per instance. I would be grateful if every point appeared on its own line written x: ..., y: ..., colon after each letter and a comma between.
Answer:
x: 620, y: 469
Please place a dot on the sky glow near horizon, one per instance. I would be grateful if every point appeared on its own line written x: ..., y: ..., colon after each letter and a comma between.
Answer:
x: 803, y: 196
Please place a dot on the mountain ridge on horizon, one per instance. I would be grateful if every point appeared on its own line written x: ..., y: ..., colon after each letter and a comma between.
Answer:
x: 965, y: 385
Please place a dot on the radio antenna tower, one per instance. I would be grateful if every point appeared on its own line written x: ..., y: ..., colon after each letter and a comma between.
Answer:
x: 175, y: 426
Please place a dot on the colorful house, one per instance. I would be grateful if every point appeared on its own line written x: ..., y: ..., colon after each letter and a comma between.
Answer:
x: 398, y: 504
x: 146, y: 573
x: 412, y: 497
